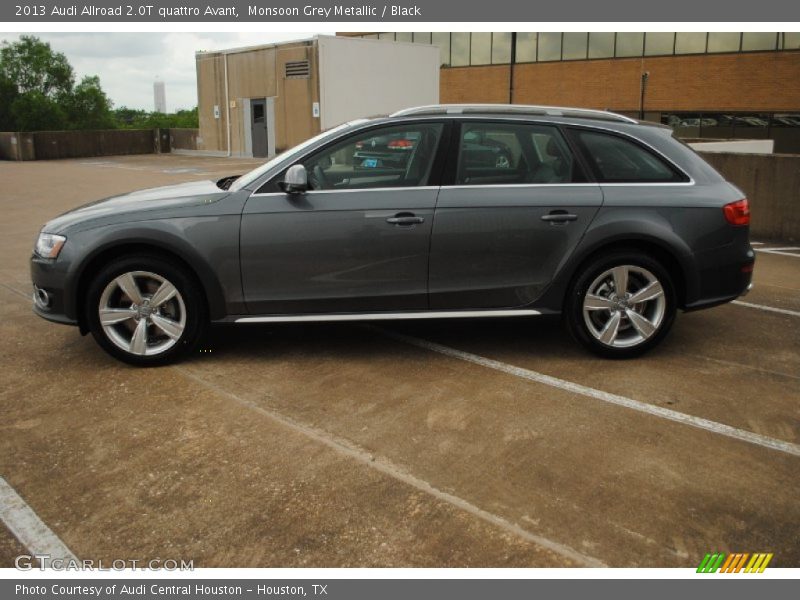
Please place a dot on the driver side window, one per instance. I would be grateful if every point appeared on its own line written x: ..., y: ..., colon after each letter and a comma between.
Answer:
x: 399, y: 156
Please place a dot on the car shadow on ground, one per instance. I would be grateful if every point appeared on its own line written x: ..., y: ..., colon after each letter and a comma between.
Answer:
x: 541, y: 336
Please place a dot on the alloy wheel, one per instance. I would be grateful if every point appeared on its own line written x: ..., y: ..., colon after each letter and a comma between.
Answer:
x: 142, y: 313
x: 624, y: 306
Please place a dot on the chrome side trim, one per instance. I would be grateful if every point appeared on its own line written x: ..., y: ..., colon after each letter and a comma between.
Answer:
x: 492, y: 186
x: 377, y: 189
x: 382, y: 316
x: 500, y: 186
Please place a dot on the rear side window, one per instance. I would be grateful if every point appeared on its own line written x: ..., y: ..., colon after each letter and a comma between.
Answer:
x: 615, y: 159
x: 511, y: 153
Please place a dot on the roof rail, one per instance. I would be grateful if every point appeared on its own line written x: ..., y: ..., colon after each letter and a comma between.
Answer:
x: 513, y: 109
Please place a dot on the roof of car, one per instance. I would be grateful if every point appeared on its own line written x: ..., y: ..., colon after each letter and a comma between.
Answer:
x: 513, y: 110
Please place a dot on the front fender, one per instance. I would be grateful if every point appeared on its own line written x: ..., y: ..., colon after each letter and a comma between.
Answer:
x: 208, y: 245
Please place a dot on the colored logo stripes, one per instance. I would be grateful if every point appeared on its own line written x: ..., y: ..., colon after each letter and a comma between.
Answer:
x: 734, y: 563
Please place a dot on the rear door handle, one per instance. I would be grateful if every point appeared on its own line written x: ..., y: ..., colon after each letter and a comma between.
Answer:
x: 405, y: 219
x: 559, y: 216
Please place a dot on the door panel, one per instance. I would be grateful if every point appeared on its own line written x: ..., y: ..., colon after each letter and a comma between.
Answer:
x: 335, y: 251
x: 490, y: 247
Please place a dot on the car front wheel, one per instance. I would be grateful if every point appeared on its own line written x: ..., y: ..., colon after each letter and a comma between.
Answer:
x: 146, y: 311
x: 621, y: 305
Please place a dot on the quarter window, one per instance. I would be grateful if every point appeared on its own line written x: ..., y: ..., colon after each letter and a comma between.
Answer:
x: 388, y: 157
x: 508, y: 154
x: 618, y: 160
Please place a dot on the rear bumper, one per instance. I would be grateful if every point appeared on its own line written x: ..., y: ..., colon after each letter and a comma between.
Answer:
x: 727, y: 280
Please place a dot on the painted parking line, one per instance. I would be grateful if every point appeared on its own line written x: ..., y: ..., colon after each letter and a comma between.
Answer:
x: 385, y: 466
x: 773, y: 309
x: 28, y: 528
x: 787, y: 251
x: 576, y: 388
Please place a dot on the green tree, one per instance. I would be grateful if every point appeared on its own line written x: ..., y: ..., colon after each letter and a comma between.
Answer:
x: 88, y: 107
x: 34, y: 111
x: 8, y: 94
x: 38, y: 91
x: 129, y: 118
x: 33, y: 66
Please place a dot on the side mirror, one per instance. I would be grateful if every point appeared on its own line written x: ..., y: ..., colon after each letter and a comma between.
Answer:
x: 295, y: 181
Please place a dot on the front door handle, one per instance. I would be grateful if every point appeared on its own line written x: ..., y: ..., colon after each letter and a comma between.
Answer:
x: 405, y: 219
x: 559, y: 216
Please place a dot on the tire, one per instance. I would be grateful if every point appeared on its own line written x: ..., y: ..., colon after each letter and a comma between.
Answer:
x: 620, y: 327
x: 151, y: 329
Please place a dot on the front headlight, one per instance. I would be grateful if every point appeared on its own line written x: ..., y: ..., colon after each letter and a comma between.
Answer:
x: 49, y: 245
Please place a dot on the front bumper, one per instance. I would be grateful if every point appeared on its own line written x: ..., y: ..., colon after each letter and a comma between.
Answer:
x: 50, y: 298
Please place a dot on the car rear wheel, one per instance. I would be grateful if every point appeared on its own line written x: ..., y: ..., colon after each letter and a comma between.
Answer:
x: 146, y: 311
x: 621, y: 305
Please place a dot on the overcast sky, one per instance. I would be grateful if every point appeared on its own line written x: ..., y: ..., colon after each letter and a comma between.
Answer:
x: 129, y: 63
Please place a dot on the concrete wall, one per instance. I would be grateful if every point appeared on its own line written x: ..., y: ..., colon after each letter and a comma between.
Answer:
x: 362, y: 78
x: 711, y: 82
x: 183, y: 139
x: 735, y: 146
x: 772, y: 184
x: 50, y: 145
x: 16, y: 146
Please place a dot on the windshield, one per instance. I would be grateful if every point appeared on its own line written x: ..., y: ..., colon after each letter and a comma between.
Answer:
x: 250, y: 177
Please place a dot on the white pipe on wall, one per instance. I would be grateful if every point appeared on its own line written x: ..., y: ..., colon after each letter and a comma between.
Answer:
x: 227, y: 106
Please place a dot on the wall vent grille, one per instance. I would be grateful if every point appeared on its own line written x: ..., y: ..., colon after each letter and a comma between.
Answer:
x: 298, y: 69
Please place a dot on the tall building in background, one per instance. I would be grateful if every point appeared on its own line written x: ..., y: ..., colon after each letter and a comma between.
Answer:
x: 159, y: 97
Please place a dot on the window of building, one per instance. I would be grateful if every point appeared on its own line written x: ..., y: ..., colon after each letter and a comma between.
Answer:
x: 619, y: 160
x: 526, y: 46
x: 459, y: 49
x: 549, y: 46
x: 501, y: 48
x: 724, y: 41
x: 506, y: 154
x: 386, y: 36
x: 370, y: 36
x: 404, y: 36
x: 659, y: 43
x: 386, y: 157
x: 575, y: 46
x: 790, y: 41
x: 422, y: 38
x: 481, y: 49
x: 690, y: 42
x: 754, y: 40
x: 442, y: 40
x: 630, y: 44
x: 601, y: 44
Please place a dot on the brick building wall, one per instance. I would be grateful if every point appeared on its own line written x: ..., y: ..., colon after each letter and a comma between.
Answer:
x: 757, y: 82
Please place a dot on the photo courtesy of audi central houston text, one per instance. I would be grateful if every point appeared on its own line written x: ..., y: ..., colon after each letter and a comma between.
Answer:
x: 400, y: 299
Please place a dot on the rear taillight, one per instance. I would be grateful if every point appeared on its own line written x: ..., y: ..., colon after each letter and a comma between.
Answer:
x: 737, y: 213
x: 404, y: 144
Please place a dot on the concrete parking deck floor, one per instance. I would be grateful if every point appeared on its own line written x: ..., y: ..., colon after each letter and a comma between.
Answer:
x: 480, y: 443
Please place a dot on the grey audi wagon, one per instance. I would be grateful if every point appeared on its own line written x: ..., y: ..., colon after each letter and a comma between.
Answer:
x: 461, y: 211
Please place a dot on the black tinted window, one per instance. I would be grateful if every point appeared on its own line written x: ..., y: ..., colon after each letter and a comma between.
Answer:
x: 504, y: 153
x: 616, y: 159
x: 387, y: 157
